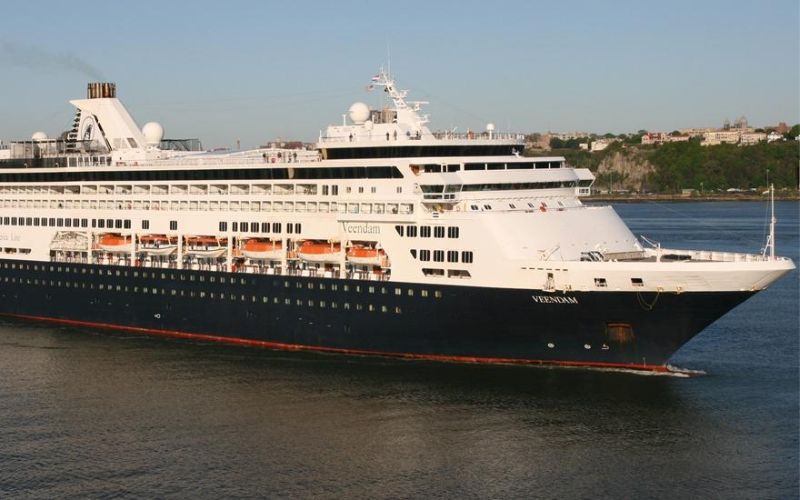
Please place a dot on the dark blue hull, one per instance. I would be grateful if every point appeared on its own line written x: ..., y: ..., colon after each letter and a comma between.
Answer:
x: 455, y: 323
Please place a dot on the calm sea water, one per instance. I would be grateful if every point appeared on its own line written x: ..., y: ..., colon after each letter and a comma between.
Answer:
x: 97, y: 414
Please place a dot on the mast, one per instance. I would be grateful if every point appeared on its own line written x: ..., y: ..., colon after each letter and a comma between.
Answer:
x: 772, y: 222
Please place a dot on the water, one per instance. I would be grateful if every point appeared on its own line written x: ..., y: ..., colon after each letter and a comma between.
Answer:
x: 97, y: 414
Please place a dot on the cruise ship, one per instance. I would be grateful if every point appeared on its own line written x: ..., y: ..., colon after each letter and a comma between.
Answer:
x: 385, y: 238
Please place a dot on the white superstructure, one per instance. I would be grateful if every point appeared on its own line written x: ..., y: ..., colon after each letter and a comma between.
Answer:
x: 458, y: 209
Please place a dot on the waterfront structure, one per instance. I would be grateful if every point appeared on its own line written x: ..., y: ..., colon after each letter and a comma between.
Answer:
x: 386, y: 238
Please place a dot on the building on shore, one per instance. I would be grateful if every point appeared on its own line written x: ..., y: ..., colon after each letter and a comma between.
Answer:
x: 601, y: 144
x: 656, y: 138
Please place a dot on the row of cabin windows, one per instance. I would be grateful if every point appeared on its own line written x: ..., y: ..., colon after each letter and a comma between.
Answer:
x: 190, y: 189
x: 263, y: 227
x: 516, y: 186
x: 450, y: 273
x: 141, y: 175
x: 425, y: 231
x: 69, y: 222
x: 438, y: 168
x: 163, y: 275
x: 439, y: 255
x: 203, y: 294
x: 513, y: 166
x: 217, y: 206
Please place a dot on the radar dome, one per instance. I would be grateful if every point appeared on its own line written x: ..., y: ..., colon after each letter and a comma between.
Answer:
x: 359, y: 113
x: 39, y: 136
x: 153, y: 133
x: 490, y: 127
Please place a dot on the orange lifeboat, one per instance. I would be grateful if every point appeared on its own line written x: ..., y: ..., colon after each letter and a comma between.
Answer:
x: 206, y: 247
x: 158, y: 244
x: 114, y: 243
x: 365, y: 255
x: 262, y: 249
x: 316, y: 251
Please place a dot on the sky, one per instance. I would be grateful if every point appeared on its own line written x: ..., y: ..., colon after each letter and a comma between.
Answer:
x: 257, y: 71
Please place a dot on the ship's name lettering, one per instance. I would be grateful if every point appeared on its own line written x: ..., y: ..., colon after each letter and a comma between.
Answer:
x: 10, y: 237
x: 548, y: 299
x: 362, y: 229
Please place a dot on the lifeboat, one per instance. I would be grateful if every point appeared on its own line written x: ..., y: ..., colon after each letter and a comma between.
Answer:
x: 157, y: 244
x: 114, y: 243
x: 205, y: 247
x: 262, y: 249
x: 365, y: 255
x: 316, y: 251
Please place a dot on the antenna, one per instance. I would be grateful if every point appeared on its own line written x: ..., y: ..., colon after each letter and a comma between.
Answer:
x: 388, y: 58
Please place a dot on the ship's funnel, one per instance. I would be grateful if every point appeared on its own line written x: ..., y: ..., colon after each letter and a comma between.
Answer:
x: 97, y: 90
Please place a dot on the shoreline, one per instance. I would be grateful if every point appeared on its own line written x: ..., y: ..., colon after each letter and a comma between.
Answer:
x: 793, y: 196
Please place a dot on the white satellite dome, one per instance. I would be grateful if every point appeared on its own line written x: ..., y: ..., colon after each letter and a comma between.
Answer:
x: 153, y: 133
x: 39, y: 136
x: 490, y: 127
x: 359, y: 113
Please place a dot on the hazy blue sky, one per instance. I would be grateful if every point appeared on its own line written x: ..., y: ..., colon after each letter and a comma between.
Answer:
x: 222, y: 70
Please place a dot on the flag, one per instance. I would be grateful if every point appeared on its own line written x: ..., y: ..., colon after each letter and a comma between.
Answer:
x: 370, y: 87
x: 376, y: 78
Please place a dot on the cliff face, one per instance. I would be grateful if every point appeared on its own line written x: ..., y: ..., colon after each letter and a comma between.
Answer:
x: 627, y: 168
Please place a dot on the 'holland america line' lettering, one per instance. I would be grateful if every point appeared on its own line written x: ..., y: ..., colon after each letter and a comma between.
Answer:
x: 546, y: 299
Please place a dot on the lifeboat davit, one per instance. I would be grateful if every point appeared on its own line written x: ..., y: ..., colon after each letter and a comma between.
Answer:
x: 206, y: 247
x: 158, y: 244
x: 262, y: 249
x: 365, y: 255
x: 315, y: 251
x: 115, y: 243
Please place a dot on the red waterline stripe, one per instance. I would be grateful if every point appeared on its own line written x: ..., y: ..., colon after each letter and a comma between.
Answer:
x: 337, y: 350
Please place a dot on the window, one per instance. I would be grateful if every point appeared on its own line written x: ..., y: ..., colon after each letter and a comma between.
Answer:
x: 600, y: 282
x: 438, y: 255
x: 243, y: 227
x: 173, y: 225
x: 127, y: 224
x: 424, y: 255
x: 254, y: 227
x: 265, y: 227
x: 235, y: 226
x: 334, y: 190
x: 289, y: 228
x: 297, y: 228
x: 452, y: 232
x: 466, y: 257
x: 325, y: 190
x: 637, y: 282
x: 101, y: 223
x: 452, y: 256
x: 223, y: 226
x: 400, y: 230
x: 438, y: 232
x: 425, y: 231
x: 276, y: 227
x: 411, y: 231
x: 118, y: 223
